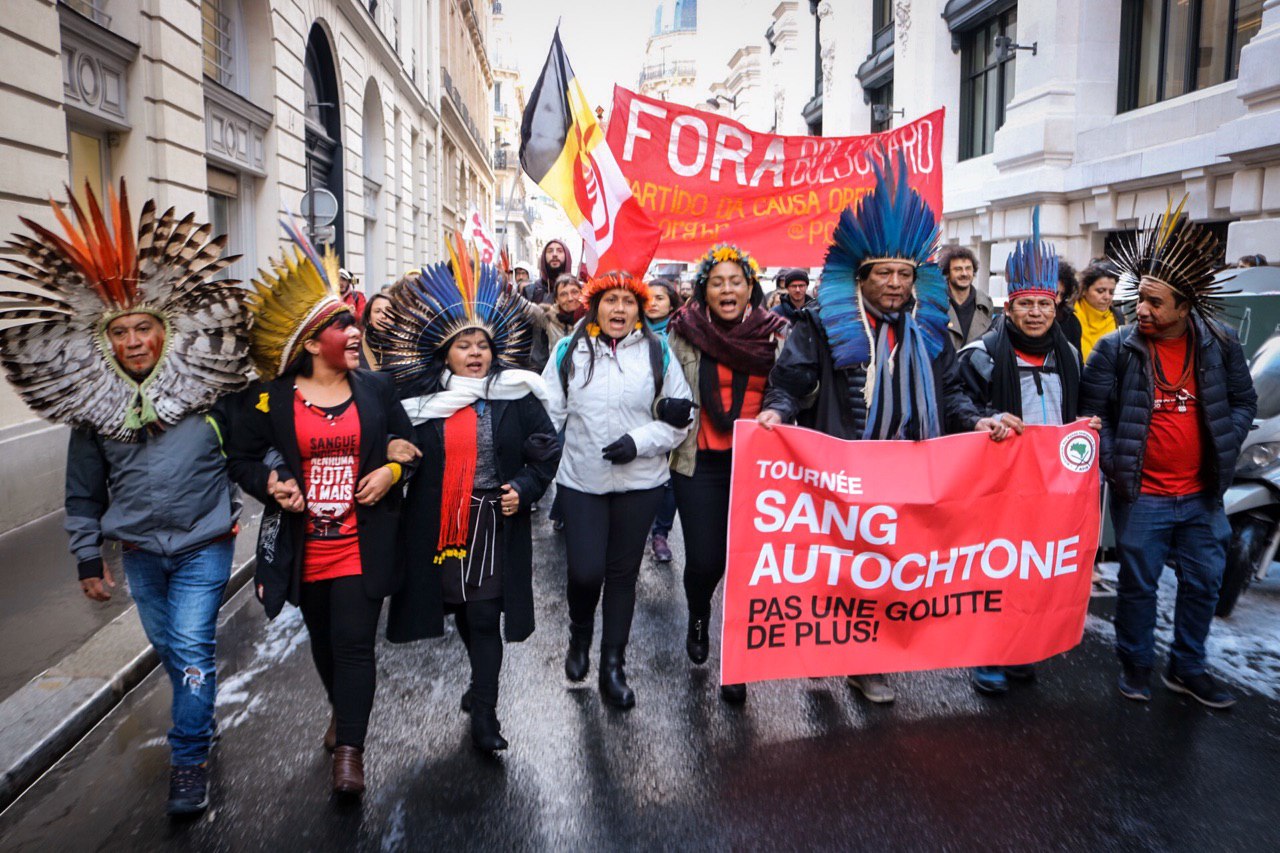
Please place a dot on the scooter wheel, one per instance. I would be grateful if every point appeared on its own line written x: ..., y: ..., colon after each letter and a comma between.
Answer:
x: 1249, y: 537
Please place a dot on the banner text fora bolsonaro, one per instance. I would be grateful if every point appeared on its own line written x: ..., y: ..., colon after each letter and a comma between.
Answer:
x: 706, y: 179
x: 851, y: 557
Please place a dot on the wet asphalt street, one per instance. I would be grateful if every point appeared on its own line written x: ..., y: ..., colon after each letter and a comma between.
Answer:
x: 1064, y: 763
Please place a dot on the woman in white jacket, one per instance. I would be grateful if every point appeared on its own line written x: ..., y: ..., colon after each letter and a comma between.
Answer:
x: 623, y: 404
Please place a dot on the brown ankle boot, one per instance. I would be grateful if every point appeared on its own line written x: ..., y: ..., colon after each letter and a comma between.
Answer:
x: 331, y: 734
x: 348, y: 770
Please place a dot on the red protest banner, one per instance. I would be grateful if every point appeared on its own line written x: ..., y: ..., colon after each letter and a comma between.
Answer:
x: 853, y: 557
x: 707, y: 179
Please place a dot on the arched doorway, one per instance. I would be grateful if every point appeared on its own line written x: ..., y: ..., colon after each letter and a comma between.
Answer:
x: 324, y: 128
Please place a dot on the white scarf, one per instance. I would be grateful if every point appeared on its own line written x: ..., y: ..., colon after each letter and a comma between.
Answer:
x: 461, y: 391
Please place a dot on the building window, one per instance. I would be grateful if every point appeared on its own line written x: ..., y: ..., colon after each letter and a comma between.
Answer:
x: 216, y: 28
x: 1172, y: 47
x: 88, y: 163
x: 881, y: 17
x: 224, y: 212
x: 986, y: 84
x: 94, y: 10
x: 881, y: 100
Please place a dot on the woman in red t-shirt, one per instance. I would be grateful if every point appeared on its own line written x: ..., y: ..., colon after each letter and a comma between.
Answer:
x: 330, y: 527
x: 726, y: 343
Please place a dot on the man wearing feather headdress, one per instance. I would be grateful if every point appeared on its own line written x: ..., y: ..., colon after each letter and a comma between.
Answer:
x: 1176, y: 401
x: 125, y: 337
x: 871, y: 358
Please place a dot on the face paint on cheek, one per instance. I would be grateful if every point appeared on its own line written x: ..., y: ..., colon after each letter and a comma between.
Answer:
x: 333, y: 347
x: 155, y: 346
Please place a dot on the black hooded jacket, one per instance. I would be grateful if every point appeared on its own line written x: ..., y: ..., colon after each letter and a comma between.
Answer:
x: 1118, y: 386
x: 807, y: 387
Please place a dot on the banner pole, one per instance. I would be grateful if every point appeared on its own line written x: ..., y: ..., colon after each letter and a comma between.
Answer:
x: 506, y: 221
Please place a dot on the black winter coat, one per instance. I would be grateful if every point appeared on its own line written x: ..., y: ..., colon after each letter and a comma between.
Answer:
x: 1118, y: 386
x: 417, y: 610
x: 267, y: 422
x: 806, y: 386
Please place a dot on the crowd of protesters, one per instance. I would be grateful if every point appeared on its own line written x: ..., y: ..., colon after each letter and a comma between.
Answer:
x: 401, y: 443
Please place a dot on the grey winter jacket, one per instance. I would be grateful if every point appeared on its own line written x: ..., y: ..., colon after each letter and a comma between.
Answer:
x: 166, y: 494
x: 983, y: 317
x: 1118, y: 386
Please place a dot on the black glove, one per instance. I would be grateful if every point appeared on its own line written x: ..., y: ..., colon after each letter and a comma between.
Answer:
x: 675, y: 411
x: 542, y: 447
x: 92, y: 567
x: 621, y: 451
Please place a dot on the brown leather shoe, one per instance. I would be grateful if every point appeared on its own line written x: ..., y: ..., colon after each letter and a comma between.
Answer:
x: 348, y: 770
x: 331, y: 734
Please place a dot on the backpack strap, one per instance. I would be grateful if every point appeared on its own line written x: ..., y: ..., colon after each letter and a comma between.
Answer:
x: 659, y: 360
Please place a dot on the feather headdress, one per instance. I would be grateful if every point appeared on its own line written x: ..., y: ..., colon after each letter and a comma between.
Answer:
x: 1032, y: 267
x: 292, y: 303
x: 54, y: 342
x: 444, y: 300
x: 891, y: 223
x: 1171, y: 250
x: 613, y: 281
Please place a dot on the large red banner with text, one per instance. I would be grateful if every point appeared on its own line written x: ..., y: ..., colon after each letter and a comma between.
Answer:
x: 854, y: 557
x: 706, y: 179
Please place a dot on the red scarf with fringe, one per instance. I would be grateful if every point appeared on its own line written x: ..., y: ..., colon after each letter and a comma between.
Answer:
x: 455, y: 491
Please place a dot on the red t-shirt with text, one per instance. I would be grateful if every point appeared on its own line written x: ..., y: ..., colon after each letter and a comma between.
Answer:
x: 1174, y: 443
x: 330, y: 449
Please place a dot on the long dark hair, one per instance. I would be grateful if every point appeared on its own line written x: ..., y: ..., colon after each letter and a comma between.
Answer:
x: 565, y: 368
x: 434, y: 380
x: 1069, y: 287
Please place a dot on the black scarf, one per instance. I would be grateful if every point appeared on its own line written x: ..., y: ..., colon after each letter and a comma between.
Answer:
x: 745, y: 346
x: 1006, y: 387
x: 965, y: 311
x: 709, y: 393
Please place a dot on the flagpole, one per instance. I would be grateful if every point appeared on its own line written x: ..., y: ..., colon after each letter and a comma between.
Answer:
x: 506, y: 222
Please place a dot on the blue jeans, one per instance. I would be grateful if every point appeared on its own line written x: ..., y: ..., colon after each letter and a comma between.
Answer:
x: 1148, y: 530
x: 178, y: 599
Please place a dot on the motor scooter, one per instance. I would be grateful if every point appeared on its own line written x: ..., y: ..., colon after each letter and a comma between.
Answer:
x: 1252, y: 502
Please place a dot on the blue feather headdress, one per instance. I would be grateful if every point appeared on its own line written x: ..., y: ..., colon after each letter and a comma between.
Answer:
x: 891, y: 223
x: 444, y: 300
x: 1032, y: 267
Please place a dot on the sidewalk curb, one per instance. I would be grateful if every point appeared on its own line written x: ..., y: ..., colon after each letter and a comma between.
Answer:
x: 45, y: 718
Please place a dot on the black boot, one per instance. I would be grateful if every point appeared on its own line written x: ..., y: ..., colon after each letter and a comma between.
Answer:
x: 697, y: 644
x: 613, y: 681
x: 486, y: 733
x: 578, y: 659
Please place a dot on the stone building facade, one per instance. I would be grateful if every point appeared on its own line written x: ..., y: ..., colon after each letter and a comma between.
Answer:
x: 238, y: 110
x: 1098, y: 111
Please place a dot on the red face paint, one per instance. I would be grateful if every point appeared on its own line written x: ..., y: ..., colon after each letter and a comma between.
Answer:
x: 137, y: 341
x: 333, y: 347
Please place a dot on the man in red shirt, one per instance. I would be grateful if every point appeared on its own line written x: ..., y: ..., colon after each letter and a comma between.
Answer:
x: 350, y: 294
x: 1176, y: 400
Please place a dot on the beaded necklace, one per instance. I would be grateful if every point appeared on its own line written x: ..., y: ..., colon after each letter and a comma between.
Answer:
x: 329, y: 417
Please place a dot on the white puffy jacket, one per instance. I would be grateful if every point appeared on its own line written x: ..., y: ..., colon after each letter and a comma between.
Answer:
x: 619, y: 399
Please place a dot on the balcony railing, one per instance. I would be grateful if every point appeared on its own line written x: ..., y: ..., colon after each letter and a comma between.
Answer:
x: 504, y: 159
x: 456, y: 97
x: 668, y: 70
